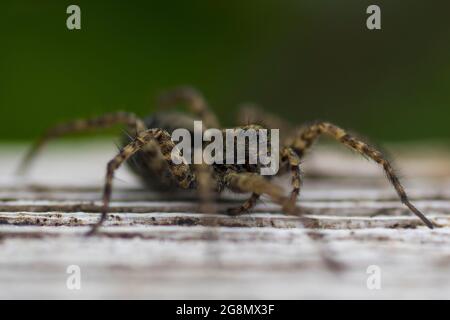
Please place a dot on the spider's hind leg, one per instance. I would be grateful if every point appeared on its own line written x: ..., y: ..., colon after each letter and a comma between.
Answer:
x: 132, y: 122
x: 306, y: 137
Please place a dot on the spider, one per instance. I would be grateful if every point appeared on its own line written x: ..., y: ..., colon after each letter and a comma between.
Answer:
x: 148, y: 144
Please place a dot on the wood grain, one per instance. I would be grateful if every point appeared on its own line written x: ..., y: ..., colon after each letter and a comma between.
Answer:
x: 157, y: 245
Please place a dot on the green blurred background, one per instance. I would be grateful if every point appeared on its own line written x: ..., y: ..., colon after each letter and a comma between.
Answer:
x: 304, y: 60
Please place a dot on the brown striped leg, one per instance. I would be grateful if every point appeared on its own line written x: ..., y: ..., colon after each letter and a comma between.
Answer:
x: 193, y: 100
x: 252, y: 182
x: 181, y: 172
x: 134, y: 124
x: 245, y: 207
x: 293, y: 161
x: 307, y: 136
x: 248, y: 182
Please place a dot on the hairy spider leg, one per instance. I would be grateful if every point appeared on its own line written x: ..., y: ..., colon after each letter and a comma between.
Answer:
x: 181, y: 172
x: 245, y: 182
x: 246, y: 206
x: 307, y: 136
x: 135, y: 125
x: 293, y: 160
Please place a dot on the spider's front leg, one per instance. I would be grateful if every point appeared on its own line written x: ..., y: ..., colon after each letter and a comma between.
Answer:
x: 293, y: 161
x: 246, y: 206
x: 133, y: 123
x: 181, y: 172
x: 252, y: 182
x: 247, y: 182
x: 306, y: 137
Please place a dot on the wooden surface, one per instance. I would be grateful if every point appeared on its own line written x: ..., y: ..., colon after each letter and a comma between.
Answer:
x: 156, y: 246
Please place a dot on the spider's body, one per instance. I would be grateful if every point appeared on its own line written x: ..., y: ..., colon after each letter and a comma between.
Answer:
x: 148, y: 146
x: 155, y: 172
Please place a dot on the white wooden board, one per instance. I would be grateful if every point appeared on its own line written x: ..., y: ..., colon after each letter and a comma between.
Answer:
x: 155, y: 246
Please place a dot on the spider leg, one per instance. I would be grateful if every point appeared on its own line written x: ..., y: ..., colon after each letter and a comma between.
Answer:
x: 293, y: 161
x: 181, y: 172
x: 246, y: 206
x: 308, y: 135
x: 135, y: 124
x: 193, y: 100
x: 251, y: 182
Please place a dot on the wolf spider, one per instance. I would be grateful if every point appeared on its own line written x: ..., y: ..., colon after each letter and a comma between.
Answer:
x: 148, y: 144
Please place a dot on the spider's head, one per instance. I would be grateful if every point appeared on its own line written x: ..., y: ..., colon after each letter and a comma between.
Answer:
x: 252, y: 148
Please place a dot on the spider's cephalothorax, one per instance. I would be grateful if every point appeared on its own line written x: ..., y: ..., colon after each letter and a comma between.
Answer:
x: 148, y: 147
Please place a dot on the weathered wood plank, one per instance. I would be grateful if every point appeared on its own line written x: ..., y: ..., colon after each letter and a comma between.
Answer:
x: 155, y: 247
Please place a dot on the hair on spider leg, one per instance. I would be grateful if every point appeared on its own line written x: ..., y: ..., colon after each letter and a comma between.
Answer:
x: 310, y: 134
x: 394, y: 175
x: 119, y: 148
x: 133, y: 159
x: 126, y: 133
x: 120, y: 180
